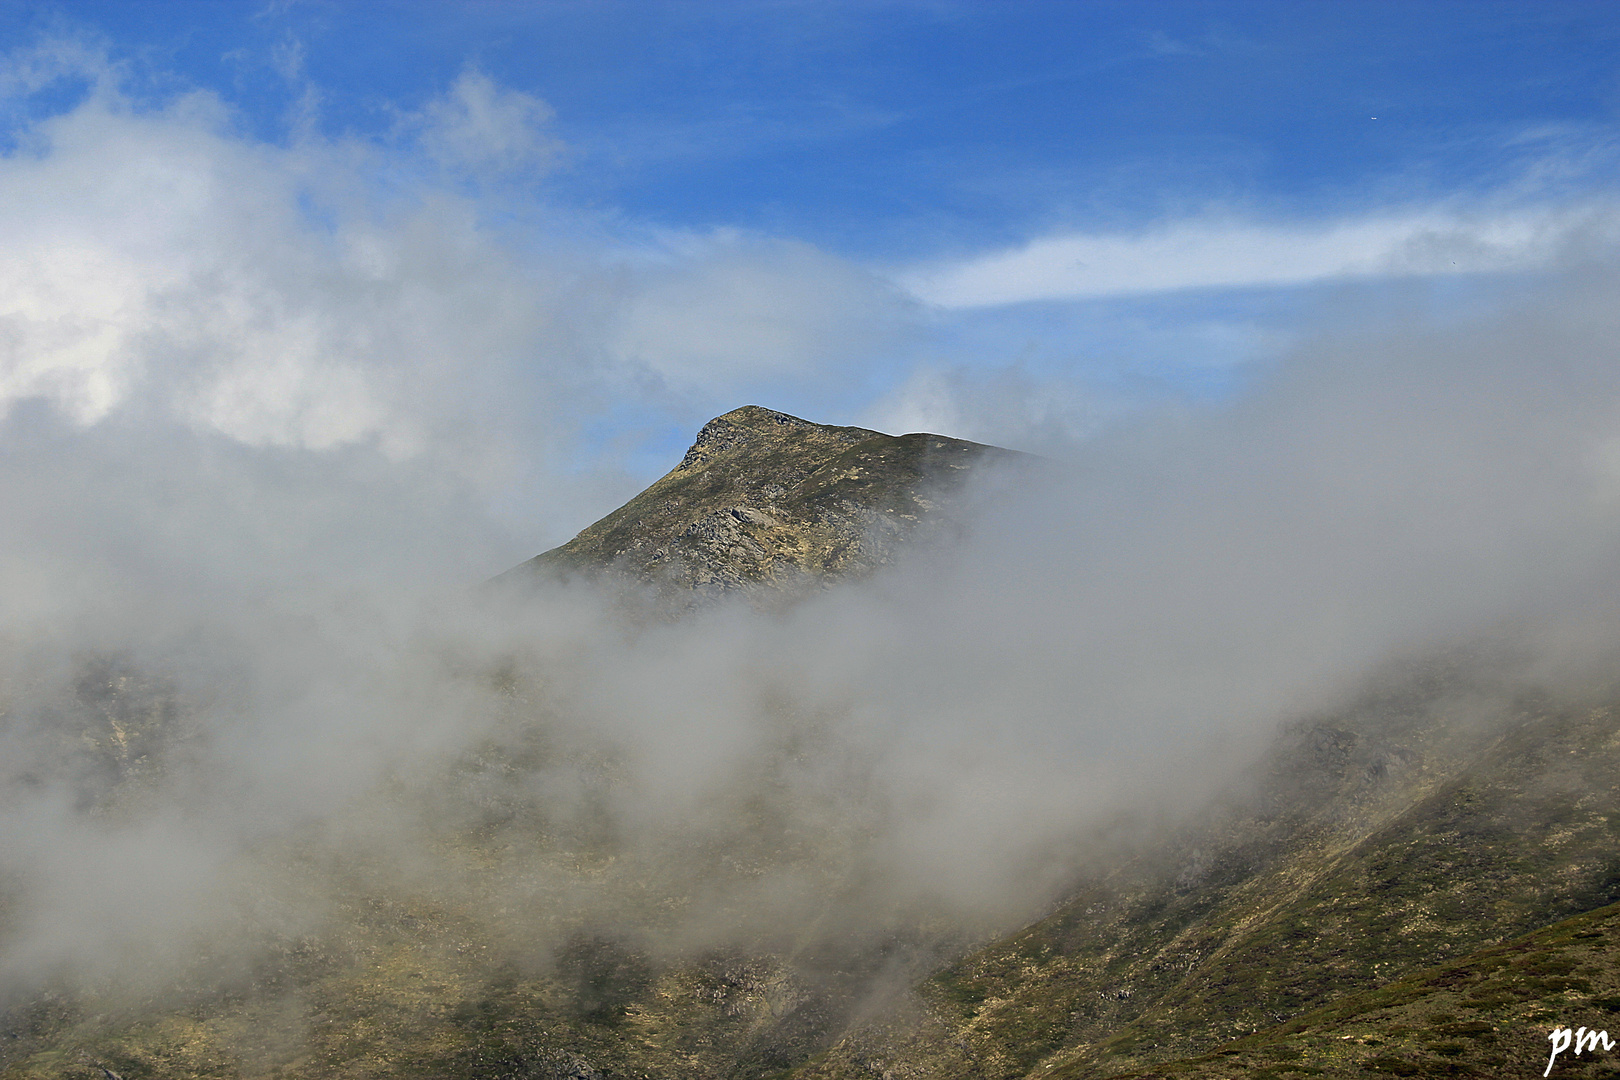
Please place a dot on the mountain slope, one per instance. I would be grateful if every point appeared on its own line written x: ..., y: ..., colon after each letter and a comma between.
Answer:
x: 490, y: 958
x: 1372, y: 844
x: 1488, y: 1014
x: 1292, y: 926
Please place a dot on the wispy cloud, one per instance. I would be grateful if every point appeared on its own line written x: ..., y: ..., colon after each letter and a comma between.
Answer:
x: 481, y: 127
x: 1220, y: 252
x: 1162, y: 44
x: 724, y: 307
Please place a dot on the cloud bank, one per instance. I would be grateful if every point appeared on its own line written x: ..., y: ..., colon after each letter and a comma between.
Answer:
x: 408, y: 300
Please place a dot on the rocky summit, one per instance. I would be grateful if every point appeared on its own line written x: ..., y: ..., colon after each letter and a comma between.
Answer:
x: 767, y: 500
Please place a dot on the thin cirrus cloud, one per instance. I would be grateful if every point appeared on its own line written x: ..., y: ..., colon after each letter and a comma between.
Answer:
x: 1219, y: 253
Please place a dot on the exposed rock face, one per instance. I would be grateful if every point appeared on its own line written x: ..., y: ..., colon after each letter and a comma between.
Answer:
x: 767, y: 499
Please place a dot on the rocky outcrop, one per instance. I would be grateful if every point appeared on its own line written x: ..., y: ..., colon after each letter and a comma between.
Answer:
x: 764, y: 500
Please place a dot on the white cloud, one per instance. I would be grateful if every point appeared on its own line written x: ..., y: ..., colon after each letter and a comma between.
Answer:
x: 480, y: 127
x: 161, y: 269
x: 1232, y: 253
x: 725, y: 308
x: 27, y: 71
x: 1005, y: 407
x: 154, y: 256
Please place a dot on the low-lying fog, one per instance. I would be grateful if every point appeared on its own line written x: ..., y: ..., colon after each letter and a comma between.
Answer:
x: 241, y: 682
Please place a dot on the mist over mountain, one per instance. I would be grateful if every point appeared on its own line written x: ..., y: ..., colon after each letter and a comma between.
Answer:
x: 1235, y: 681
x: 1158, y: 615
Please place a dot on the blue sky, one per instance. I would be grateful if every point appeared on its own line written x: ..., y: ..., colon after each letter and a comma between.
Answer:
x: 434, y: 229
x: 897, y: 131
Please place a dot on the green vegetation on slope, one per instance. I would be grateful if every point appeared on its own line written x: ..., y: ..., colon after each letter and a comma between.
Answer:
x: 1488, y: 1014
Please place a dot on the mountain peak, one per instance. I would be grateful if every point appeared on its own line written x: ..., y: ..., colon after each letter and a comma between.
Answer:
x: 766, y: 499
x: 751, y: 426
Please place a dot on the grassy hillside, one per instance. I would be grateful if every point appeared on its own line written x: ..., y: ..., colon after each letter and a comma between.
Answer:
x: 1488, y: 1014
